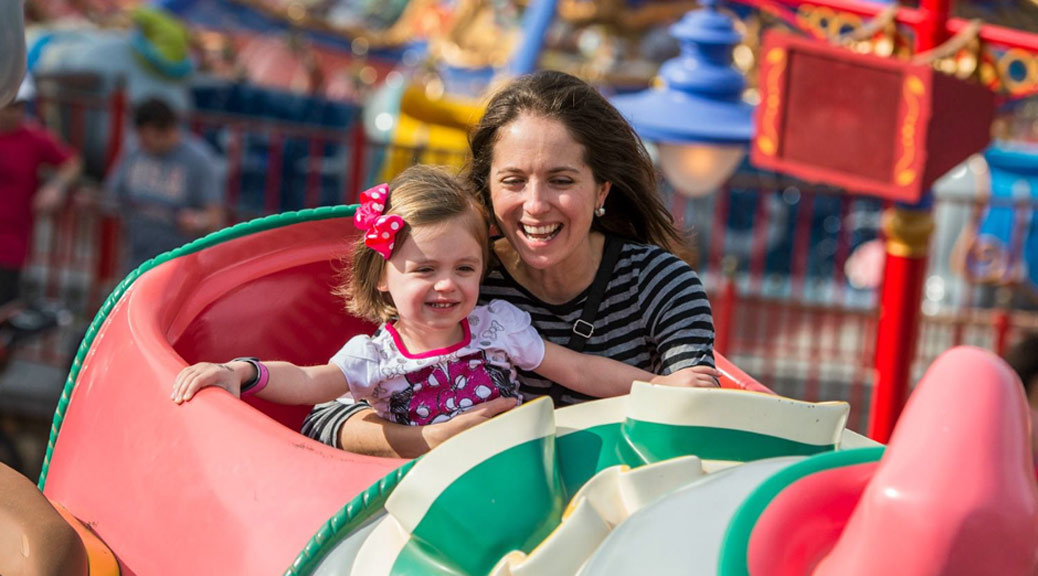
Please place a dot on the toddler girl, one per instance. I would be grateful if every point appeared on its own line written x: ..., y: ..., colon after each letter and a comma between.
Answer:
x: 417, y: 269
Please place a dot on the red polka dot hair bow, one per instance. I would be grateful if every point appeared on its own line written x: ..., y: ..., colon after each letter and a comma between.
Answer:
x: 379, y: 230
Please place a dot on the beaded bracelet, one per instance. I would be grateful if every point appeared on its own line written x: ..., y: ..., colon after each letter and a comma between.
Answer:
x: 254, y: 385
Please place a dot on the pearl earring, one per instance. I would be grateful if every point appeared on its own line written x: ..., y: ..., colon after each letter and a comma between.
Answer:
x: 600, y: 211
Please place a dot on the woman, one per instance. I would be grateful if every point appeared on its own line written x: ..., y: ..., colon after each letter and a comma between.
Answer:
x: 588, y: 249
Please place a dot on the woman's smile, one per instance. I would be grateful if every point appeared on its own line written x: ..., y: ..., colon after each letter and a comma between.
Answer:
x: 541, y: 232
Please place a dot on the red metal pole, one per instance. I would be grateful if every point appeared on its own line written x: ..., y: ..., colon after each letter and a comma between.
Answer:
x: 725, y: 315
x: 272, y: 192
x: 908, y: 236
x: 108, y: 240
x: 314, y: 160
x: 932, y: 30
x: 355, y: 177
x: 117, y: 113
x: 717, y: 234
x: 1002, y: 325
x: 234, y: 162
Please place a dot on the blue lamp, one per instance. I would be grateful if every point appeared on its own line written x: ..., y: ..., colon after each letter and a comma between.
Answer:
x: 697, y: 117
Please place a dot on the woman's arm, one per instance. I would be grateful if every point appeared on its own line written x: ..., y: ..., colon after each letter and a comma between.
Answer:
x: 675, y: 313
x: 366, y: 433
x: 604, y: 377
x: 588, y: 374
x: 287, y: 384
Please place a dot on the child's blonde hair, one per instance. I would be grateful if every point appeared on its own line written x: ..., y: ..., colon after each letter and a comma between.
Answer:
x: 421, y: 195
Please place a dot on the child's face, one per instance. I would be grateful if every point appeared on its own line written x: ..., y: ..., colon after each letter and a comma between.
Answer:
x: 434, y: 276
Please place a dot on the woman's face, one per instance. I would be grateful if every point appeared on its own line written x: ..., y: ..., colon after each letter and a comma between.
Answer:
x: 544, y: 194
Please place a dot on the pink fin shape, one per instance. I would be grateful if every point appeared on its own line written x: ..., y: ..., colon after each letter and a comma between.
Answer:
x: 955, y: 492
x: 803, y: 522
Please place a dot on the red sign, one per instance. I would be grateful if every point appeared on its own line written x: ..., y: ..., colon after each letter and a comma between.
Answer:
x: 871, y: 125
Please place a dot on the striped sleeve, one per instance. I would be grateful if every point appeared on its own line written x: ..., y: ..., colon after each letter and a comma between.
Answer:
x: 675, y: 311
x: 325, y: 420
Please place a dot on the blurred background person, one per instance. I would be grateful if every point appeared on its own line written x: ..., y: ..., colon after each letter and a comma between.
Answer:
x: 167, y: 186
x: 26, y: 148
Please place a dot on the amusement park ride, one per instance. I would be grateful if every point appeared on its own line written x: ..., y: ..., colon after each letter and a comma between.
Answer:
x: 730, y: 481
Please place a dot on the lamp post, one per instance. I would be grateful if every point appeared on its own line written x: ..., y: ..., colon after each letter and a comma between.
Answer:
x: 907, y: 229
x: 696, y: 116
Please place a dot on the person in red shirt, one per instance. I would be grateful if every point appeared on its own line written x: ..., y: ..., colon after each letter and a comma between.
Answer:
x: 26, y: 148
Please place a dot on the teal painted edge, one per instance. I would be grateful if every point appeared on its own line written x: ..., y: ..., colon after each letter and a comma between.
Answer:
x: 355, y: 513
x: 735, y: 545
x: 648, y: 442
x: 218, y: 237
x: 510, y: 501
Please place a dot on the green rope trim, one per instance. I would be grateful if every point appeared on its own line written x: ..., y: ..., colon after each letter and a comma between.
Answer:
x: 218, y: 237
x: 355, y: 513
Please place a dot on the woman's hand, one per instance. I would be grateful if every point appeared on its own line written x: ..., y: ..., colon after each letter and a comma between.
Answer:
x: 701, y: 376
x: 204, y: 374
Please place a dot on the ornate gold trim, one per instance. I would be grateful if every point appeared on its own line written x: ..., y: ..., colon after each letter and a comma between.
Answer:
x: 908, y: 232
x: 767, y: 141
x: 913, y: 90
x: 1012, y: 56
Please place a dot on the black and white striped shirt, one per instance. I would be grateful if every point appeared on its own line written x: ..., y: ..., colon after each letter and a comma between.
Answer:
x: 654, y: 315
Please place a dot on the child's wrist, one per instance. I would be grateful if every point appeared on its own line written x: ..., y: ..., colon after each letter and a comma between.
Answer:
x: 256, y: 376
x: 243, y: 370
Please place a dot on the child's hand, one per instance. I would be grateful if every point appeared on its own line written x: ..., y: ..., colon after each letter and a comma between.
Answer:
x: 204, y: 374
x: 701, y: 376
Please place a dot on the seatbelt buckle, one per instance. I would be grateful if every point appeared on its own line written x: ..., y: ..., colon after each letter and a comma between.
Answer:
x: 583, y: 328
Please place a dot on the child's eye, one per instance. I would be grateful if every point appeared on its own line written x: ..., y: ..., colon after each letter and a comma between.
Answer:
x: 467, y: 268
x: 422, y: 270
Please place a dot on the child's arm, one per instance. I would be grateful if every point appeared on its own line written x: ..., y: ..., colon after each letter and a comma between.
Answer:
x: 603, y: 377
x: 287, y: 384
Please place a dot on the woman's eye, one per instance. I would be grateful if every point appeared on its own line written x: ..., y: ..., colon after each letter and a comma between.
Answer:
x: 512, y: 181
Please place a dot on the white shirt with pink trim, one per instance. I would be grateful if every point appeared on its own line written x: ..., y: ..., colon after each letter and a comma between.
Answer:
x: 435, y: 386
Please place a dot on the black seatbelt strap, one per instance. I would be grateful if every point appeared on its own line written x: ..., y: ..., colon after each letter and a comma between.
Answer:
x: 584, y: 327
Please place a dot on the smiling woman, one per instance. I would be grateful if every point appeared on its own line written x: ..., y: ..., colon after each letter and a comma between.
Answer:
x: 589, y: 252
x: 568, y: 179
